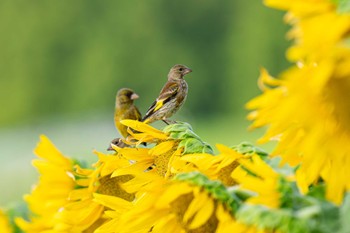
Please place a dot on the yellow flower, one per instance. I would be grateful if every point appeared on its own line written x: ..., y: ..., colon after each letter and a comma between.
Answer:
x: 82, y: 213
x: 309, y: 18
x: 147, y: 163
x: 310, y: 119
x: 50, y: 194
x: 115, y: 207
x: 4, y: 223
x: 63, y: 199
x: 171, y: 206
x: 218, y: 167
x: 144, y: 132
x: 255, y: 175
x: 306, y: 110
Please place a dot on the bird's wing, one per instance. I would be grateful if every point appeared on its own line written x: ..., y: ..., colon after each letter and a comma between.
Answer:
x: 169, y: 90
x: 137, y: 114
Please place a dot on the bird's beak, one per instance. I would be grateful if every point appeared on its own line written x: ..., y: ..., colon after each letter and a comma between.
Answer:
x: 134, y: 96
x: 186, y: 71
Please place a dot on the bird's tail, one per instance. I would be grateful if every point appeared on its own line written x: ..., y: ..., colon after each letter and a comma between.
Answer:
x: 145, y: 120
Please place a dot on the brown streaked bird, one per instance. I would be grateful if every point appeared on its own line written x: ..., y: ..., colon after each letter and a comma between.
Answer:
x: 171, y: 97
x: 117, y: 142
x: 125, y: 109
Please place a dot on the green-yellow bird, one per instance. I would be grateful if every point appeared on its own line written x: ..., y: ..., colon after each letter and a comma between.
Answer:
x: 125, y: 109
x: 171, y: 97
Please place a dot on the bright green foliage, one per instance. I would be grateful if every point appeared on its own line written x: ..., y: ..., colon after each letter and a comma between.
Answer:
x: 190, y: 141
x: 249, y: 149
x: 214, y: 187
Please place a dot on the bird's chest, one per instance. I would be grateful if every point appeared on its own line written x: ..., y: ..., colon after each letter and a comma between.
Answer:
x: 181, y: 95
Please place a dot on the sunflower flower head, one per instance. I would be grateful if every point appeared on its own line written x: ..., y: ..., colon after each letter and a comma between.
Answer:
x: 189, y: 203
x: 82, y: 213
x: 50, y: 194
x: 255, y: 175
x: 168, y: 146
x: 311, y: 121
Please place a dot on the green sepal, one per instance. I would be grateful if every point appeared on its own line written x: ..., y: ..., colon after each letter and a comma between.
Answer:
x: 179, y: 126
x: 190, y: 141
x: 193, y: 145
x: 215, y: 188
x: 180, y: 130
x: 183, y: 135
x: 247, y: 148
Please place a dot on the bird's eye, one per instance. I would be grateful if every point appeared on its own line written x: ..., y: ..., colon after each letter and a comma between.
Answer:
x: 181, y: 69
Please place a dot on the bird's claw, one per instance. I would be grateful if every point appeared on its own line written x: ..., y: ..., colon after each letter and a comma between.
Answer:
x: 169, y: 122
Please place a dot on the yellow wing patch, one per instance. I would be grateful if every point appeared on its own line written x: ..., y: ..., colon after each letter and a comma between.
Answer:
x: 159, y: 104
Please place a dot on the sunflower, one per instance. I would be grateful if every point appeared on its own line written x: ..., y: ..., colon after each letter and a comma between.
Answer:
x: 169, y: 145
x: 256, y: 176
x: 51, y: 193
x: 218, y: 167
x: 307, y: 109
x: 82, y: 213
x: 190, y: 203
x: 67, y: 189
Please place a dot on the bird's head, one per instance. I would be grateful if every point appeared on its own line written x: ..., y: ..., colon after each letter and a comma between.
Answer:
x: 178, y: 71
x: 126, y: 95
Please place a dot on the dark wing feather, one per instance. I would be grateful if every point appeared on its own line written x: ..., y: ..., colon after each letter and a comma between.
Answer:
x: 169, y: 90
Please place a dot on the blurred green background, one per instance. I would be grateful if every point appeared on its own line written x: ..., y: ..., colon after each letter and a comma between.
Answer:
x: 63, y: 62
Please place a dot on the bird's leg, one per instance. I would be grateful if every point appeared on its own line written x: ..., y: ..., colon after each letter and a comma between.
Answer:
x: 168, y: 122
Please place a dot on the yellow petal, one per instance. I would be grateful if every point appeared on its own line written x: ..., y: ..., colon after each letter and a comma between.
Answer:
x: 142, y: 127
x: 135, y: 153
x: 168, y: 224
x: 112, y: 202
x: 46, y: 150
x: 79, y: 194
x: 203, y: 214
x: 197, y: 203
x: 162, y: 148
x: 172, y: 193
x: 226, y: 150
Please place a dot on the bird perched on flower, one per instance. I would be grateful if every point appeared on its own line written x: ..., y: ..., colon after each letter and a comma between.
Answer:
x: 171, y: 97
x: 116, y: 142
x: 125, y: 109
